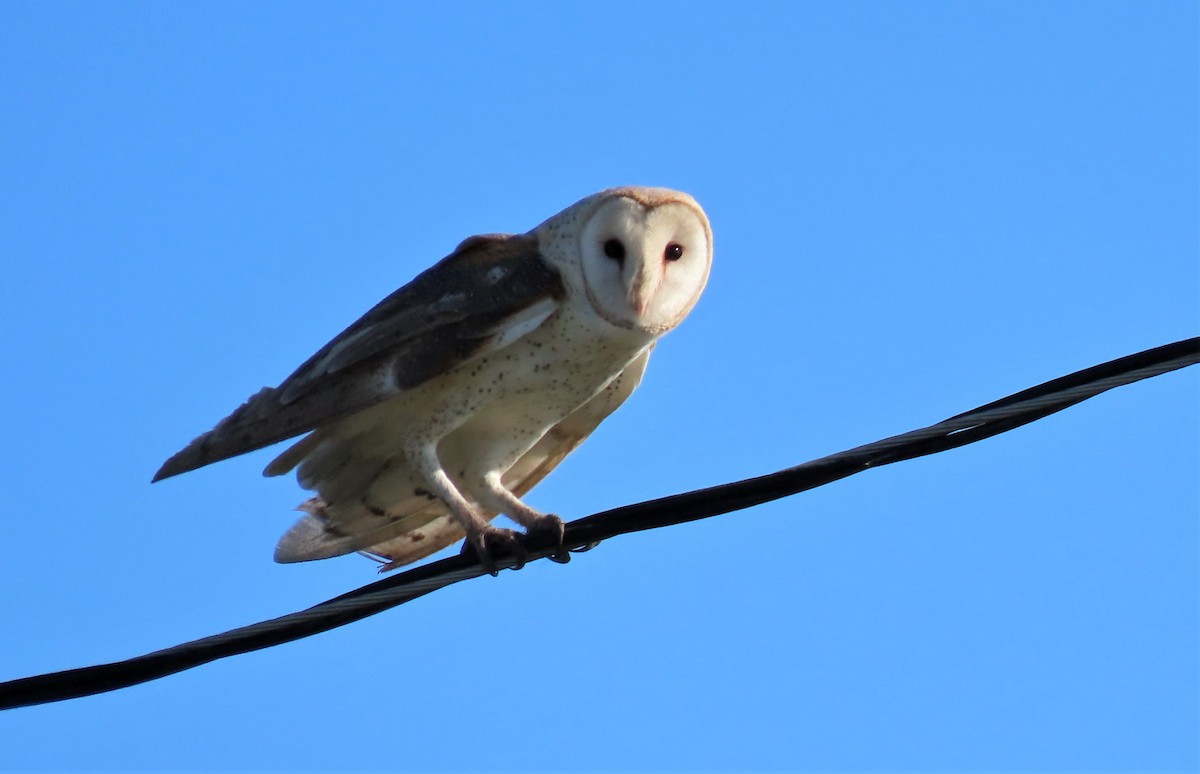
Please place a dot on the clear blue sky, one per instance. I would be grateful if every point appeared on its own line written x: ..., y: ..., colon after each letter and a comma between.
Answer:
x: 918, y: 208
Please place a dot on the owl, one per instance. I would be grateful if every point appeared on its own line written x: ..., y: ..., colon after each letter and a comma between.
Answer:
x: 450, y: 399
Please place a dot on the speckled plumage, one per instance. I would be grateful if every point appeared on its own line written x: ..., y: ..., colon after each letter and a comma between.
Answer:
x: 447, y: 402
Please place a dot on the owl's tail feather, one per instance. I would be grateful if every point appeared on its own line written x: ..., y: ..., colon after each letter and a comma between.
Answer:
x: 398, y: 540
x: 418, y: 544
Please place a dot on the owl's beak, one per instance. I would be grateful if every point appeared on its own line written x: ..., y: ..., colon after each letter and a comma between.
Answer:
x: 644, y: 284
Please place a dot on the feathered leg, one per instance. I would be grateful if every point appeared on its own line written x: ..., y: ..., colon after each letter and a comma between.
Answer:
x: 495, y: 496
x: 482, y: 535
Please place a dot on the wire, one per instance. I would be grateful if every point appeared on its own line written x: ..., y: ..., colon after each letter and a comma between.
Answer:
x: 997, y: 417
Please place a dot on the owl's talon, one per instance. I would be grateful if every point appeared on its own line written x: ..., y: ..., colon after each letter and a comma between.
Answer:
x: 548, y: 528
x: 492, y: 543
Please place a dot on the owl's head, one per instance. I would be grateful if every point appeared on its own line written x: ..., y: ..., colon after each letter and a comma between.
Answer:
x: 645, y: 255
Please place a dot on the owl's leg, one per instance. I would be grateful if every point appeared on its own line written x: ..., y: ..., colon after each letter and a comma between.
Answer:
x: 486, y: 538
x: 495, y: 496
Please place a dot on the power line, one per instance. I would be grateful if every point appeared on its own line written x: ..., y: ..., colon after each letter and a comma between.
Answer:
x: 975, y: 425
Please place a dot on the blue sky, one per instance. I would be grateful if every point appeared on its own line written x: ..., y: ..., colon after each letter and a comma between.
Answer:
x: 917, y: 207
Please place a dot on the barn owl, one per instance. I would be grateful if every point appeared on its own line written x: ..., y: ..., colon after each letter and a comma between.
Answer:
x: 447, y: 402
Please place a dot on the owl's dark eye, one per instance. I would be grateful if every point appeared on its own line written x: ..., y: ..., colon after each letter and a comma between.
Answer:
x: 673, y: 252
x: 615, y: 250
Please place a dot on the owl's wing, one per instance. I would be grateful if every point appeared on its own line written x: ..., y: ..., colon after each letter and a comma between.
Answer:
x: 419, y: 528
x: 489, y: 292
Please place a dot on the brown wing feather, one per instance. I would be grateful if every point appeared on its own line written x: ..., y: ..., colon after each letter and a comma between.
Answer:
x: 443, y: 318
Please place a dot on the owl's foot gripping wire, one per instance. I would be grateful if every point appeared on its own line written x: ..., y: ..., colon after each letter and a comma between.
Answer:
x: 546, y: 529
x: 490, y: 543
